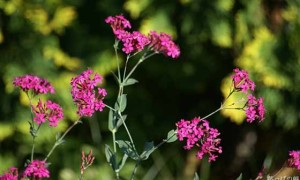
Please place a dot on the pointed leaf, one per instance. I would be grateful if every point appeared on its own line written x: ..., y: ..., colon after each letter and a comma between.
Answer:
x: 120, y: 121
x: 123, y: 161
x: 121, y: 103
x: 58, y: 135
x: 129, y: 82
x: 196, y: 176
x: 148, y: 149
x: 128, y: 149
x: 110, y: 157
x: 171, y: 136
x: 111, y: 120
x: 240, y: 177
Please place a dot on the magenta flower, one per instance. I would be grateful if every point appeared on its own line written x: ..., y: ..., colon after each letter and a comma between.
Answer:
x: 36, y: 84
x: 198, y: 132
x: 36, y: 169
x: 47, y: 111
x: 84, y: 95
x: 134, y: 42
x: 163, y: 43
x: 118, y: 22
x: 11, y: 175
x: 255, y: 109
x: 241, y: 81
x: 294, y: 160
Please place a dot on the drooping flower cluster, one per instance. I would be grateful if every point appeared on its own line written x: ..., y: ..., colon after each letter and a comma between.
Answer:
x: 135, y: 41
x: 294, y: 160
x: 36, y: 169
x: 47, y: 111
x: 241, y: 81
x: 198, y: 132
x: 36, y: 84
x: 163, y: 43
x: 84, y: 95
x: 11, y: 175
x: 255, y: 109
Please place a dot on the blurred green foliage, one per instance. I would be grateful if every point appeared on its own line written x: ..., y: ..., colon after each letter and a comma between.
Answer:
x: 57, y: 39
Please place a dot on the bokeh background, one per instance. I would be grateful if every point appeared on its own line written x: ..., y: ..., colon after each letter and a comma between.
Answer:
x: 57, y: 39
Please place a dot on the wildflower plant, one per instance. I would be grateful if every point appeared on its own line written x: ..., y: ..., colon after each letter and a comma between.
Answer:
x: 89, y: 97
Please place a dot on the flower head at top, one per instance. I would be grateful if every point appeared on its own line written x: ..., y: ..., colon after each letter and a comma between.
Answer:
x: 255, y: 109
x: 241, y: 81
x: 118, y: 22
x: 86, y: 98
x: 47, y: 111
x: 198, y: 132
x: 36, y: 169
x: 11, y: 175
x: 163, y: 43
x: 36, y: 84
x: 294, y: 160
x: 133, y: 42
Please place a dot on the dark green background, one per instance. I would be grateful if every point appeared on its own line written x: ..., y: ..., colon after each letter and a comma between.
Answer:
x: 262, y: 37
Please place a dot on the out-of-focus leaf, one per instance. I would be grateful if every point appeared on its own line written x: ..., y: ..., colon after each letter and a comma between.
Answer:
x: 110, y: 157
x: 148, y: 149
x: 128, y: 149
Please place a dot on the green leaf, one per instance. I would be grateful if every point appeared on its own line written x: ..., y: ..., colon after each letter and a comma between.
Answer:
x: 196, y: 177
x: 110, y: 157
x: 120, y: 122
x: 129, y: 82
x: 128, y: 149
x: 171, y: 136
x: 240, y: 177
x: 112, y: 120
x: 121, y: 103
x: 58, y: 135
x: 123, y: 161
x: 148, y: 149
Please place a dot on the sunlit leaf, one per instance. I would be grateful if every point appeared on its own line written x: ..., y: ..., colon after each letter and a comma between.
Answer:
x: 171, y: 136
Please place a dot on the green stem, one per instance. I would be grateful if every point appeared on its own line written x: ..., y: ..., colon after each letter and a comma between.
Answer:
x: 109, y: 107
x: 135, y: 169
x: 117, y: 57
x: 129, y: 135
x: 143, y: 58
x: 125, y: 68
x: 164, y: 141
x: 59, y: 141
x: 220, y: 108
x: 32, y: 149
x: 114, y: 140
x: 32, y: 129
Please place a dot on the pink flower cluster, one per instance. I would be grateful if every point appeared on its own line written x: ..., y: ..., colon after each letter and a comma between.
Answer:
x: 241, y: 81
x: 36, y: 169
x: 47, y: 111
x: 11, y: 175
x: 294, y: 160
x: 198, y: 132
x: 84, y: 96
x: 135, y: 41
x: 36, y: 84
x: 254, y: 107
